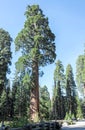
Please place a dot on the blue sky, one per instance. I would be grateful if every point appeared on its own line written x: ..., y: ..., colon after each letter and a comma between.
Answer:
x: 66, y: 20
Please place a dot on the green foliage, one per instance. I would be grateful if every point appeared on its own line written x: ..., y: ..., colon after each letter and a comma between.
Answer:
x: 36, y: 42
x: 79, y: 109
x: 59, y: 80
x: 5, y: 56
x: 44, y: 103
x: 59, y: 72
x: 18, y: 122
x: 3, y: 106
x: 36, y: 38
x: 70, y: 90
x: 80, y: 72
x: 69, y: 118
x: 80, y: 69
x: 20, y: 95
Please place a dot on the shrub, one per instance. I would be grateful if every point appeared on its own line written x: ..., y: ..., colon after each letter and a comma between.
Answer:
x: 19, y: 122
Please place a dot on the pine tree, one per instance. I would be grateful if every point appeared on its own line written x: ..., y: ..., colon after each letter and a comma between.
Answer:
x: 36, y: 41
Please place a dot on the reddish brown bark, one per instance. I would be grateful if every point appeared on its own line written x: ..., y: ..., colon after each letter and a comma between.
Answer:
x: 34, y: 98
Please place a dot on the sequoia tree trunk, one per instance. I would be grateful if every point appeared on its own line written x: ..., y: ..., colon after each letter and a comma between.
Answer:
x: 34, y: 98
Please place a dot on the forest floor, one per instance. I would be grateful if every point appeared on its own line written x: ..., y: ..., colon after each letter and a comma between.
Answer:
x: 79, y: 125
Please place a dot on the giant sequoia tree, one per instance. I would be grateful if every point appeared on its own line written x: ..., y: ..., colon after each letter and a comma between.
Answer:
x: 5, y: 56
x: 36, y: 41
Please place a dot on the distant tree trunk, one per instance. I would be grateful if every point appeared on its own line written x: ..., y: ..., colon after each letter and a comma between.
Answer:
x: 34, y: 101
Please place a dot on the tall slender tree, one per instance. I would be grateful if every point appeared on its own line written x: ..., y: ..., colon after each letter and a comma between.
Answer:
x: 58, y: 82
x: 5, y: 56
x: 70, y: 90
x: 80, y: 77
x: 80, y: 72
x: 36, y: 41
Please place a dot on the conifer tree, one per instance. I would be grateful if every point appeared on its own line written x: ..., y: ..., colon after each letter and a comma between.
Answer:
x: 70, y: 90
x: 36, y: 41
x: 45, y: 103
x: 20, y: 95
x: 5, y: 57
x: 80, y: 73
x: 59, y: 82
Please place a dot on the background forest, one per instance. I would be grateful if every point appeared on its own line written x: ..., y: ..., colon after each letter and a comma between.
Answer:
x: 25, y: 98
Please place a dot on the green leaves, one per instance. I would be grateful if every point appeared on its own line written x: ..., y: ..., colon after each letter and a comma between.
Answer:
x: 44, y: 103
x: 36, y: 42
x: 36, y: 37
x: 5, y: 56
x: 71, y: 92
x: 80, y: 70
x: 59, y: 71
